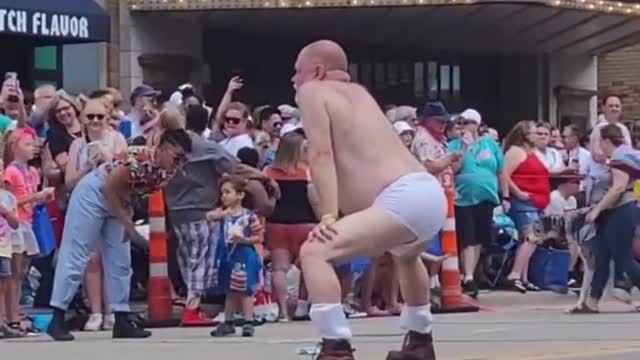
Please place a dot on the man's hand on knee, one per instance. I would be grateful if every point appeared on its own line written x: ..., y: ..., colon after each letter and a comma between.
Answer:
x: 323, y: 232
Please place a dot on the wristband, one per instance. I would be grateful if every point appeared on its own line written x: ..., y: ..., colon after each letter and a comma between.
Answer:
x: 328, y: 219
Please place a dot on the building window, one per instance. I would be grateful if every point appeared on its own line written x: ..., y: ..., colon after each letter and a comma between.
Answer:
x: 445, y: 80
x: 456, y: 80
x: 393, y: 74
x: 365, y: 75
x: 46, y: 58
x: 418, y: 80
x: 379, y: 76
x: 47, y: 65
x: 432, y: 79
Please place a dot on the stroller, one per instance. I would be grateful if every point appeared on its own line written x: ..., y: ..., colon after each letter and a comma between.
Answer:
x: 500, y: 254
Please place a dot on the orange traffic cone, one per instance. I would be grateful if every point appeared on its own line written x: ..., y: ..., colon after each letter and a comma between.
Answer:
x: 160, y: 311
x: 452, y: 299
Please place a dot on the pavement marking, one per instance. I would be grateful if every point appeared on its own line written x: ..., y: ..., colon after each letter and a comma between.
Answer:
x: 558, y: 355
x: 487, y: 331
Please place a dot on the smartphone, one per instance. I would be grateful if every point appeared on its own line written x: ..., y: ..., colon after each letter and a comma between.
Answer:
x: 13, y: 76
x: 93, y: 149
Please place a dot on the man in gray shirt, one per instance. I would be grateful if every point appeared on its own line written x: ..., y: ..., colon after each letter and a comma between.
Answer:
x: 189, y: 196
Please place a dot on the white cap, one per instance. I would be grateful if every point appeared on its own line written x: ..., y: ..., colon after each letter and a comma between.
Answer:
x: 287, y: 128
x: 472, y: 115
x: 402, y: 126
x: 176, y: 98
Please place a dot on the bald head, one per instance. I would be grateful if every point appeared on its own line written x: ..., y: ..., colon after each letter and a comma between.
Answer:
x: 326, y: 53
x: 321, y: 60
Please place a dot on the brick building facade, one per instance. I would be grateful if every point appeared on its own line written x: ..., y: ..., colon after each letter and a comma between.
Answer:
x: 619, y: 73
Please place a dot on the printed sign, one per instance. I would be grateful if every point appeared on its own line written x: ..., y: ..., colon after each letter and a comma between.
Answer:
x: 44, y: 24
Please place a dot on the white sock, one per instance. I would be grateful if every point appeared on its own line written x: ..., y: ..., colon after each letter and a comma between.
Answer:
x: 468, y: 277
x: 331, y: 321
x: 416, y: 318
x: 435, y: 281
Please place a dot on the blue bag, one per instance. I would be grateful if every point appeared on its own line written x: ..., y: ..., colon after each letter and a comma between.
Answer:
x: 549, y: 269
x: 43, y: 229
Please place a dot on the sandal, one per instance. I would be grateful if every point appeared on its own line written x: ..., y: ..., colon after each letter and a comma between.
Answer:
x: 374, y: 311
x: 516, y: 285
x: 7, y: 332
x: 531, y: 287
x: 583, y: 309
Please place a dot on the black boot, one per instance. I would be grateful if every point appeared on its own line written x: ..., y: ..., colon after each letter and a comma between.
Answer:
x: 57, y: 329
x: 127, y: 328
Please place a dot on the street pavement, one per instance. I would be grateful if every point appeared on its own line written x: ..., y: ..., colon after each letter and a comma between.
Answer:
x: 509, y: 327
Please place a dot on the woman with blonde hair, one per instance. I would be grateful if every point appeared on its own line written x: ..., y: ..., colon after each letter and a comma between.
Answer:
x: 292, y: 219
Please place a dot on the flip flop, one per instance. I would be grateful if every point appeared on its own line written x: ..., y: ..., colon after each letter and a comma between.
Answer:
x: 374, y: 311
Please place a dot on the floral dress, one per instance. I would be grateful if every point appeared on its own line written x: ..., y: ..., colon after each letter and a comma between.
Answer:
x: 239, y: 265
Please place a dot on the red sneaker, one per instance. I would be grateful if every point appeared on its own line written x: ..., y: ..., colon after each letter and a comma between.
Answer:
x: 193, y: 317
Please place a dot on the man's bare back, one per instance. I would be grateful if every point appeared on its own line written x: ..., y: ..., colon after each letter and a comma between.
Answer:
x: 361, y: 167
x: 369, y: 156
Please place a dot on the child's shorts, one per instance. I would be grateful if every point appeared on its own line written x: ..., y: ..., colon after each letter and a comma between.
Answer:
x: 5, y: 267
x: 24, y: 240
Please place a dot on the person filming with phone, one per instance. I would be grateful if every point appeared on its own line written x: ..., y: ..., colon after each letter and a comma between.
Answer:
x: 142, y: 111
x: 12, y: 103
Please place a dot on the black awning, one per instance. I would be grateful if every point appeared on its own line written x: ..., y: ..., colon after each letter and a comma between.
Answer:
x: 69, y: 21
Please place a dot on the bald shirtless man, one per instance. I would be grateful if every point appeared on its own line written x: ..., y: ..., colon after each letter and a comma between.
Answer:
x: 361, y: 167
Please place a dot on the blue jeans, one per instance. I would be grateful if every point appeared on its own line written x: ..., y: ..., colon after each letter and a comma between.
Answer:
x: 89, y: 220
x: 523, y: 213
x: 614, y: 238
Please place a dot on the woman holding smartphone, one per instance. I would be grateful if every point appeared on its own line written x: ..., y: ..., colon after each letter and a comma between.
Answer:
x: 86, y: 153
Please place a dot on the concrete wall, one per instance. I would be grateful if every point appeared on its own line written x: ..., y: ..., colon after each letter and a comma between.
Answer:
x: 573, y: 71
x: 619, y: 73
x: 157, y: 34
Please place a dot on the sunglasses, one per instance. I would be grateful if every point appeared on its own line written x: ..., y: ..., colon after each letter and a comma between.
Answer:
x: 277, y: 124
x: 232, y: 120
x: 98, y: 117
x: 465, y: 123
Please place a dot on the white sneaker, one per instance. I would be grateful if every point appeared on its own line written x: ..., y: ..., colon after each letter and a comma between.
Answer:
x: 352, y: 313
x: 94, y: 323
x: 108, y: 322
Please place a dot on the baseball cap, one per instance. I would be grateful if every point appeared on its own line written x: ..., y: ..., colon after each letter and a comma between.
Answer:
x: 472, y: 115
x: 143, y: 91
x: 434, y: 110
x: 401, y: 127
x: 287, y: 128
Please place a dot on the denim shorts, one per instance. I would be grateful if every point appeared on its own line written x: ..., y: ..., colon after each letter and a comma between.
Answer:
x: 523, y: 213
x: 5, y: 267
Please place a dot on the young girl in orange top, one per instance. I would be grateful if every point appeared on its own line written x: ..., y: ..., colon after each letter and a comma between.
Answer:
x: 22, y: 180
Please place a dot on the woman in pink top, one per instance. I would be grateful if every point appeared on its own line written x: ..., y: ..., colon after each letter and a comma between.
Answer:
x: 23, y: 180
